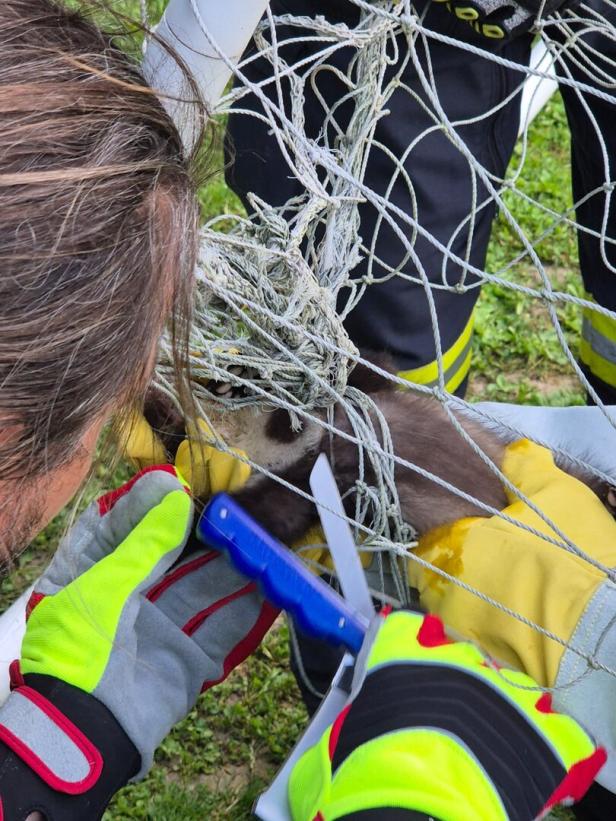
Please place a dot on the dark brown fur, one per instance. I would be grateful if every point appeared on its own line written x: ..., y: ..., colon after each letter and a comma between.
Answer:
x: 165, y: 420
x: 422, y: 435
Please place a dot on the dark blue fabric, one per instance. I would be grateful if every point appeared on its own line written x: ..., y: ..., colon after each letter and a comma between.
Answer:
x: 393, y: 316
x: 587, y: 163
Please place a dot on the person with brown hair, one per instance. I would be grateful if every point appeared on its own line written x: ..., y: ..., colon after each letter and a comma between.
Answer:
x: 98, y: 238
x: 98, y: 226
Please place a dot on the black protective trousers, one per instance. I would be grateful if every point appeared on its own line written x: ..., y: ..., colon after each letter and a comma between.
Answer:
x: 392, y: 315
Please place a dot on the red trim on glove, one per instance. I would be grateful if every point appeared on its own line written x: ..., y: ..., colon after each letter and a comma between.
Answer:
x: 544, y: 703
x: 34, y: 600
x: 335, y: 731
x: 318, y: 817
x: 432, y: 632
x: 248, y: 644
x: 106, y: 502
x: 195, y: 622
x: 16, y: 678
x: 578, y: 780
x: 85, y: 746
x: 156, y: 591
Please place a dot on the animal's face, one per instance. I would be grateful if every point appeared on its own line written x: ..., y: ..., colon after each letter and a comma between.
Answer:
x: 264, y: 434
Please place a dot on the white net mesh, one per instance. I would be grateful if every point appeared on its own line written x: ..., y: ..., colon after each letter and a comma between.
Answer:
x: 378, y: 136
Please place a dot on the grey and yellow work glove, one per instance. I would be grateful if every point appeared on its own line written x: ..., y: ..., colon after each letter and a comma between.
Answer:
x: 123, y: 634
x: 435, y: 731
x: 504, y: 19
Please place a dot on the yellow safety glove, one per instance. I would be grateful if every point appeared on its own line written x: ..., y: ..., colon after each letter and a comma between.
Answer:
x: 206, y: 469
x: 140, y: 444
x: 544, y: 583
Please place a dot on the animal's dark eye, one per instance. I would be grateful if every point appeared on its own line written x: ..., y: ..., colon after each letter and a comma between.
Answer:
x: 279, y: 426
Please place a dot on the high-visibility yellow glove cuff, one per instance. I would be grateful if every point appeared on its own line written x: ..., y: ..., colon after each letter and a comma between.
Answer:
x: 450, y: 747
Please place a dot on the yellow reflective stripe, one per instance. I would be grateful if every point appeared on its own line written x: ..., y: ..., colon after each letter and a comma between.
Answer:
x: 420, y: 769
x: 605, y: 325
x: 598, y: 345
x: 454, y: 361
x: 604, y: 370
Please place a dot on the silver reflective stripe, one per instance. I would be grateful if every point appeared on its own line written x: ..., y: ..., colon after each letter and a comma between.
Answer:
x: 589, y: 695
x: 47, y: 741
x: 458, y: 362
x: 600, y: 344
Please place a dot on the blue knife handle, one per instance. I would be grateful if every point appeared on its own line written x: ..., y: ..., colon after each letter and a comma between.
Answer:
x: 280, y: 575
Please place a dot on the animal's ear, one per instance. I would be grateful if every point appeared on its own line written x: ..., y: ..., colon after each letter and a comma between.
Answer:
x: 365, y: 379
x: 278, y: 426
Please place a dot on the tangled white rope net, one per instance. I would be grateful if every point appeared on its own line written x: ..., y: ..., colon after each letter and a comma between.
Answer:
x: 274, y: 291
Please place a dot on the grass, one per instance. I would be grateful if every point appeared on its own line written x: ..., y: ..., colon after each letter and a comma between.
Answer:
x: 216, y: 761
x: 517, y: 357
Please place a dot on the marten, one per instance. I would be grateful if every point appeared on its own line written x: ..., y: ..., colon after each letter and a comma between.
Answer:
x: 422, y: 434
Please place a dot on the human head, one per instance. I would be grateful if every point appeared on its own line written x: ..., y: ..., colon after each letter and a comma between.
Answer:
x: 98, y: 222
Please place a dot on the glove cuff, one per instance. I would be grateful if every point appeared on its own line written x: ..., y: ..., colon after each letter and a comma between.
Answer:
x: 62, y: 751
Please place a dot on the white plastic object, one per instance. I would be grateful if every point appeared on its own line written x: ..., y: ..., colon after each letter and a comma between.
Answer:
x: 273, y: 805
x: 12, y: 629
x: 210, y: 36
x: 537, y: 91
